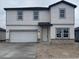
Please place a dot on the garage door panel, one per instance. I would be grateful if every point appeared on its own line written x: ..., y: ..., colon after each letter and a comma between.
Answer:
x: 23, y: 36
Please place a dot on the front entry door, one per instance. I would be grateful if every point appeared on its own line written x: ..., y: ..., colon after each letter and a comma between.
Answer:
x: 45, y: 34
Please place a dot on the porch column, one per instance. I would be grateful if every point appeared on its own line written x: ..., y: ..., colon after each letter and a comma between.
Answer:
x: 39, y: 34
x: 52, y: 33
x: 7, y: 35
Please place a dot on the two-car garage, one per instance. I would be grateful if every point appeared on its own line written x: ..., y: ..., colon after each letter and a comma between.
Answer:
x: 23, y: 36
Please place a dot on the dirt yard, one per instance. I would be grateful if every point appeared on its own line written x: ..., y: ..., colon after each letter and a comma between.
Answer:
x: 55, y: 51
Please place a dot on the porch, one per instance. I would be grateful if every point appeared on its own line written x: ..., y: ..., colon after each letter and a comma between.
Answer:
x: 44, y: 31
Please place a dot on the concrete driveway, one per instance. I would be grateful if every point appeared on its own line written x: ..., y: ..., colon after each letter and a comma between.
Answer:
x: 18, y: 51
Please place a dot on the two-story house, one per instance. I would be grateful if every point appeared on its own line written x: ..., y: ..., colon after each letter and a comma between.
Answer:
x: 31, y: 24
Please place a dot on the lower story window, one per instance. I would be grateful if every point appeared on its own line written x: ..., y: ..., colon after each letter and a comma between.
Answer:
x: 62, y: 32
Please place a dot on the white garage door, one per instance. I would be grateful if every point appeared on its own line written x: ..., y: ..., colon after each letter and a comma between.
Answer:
x: 23, y: 36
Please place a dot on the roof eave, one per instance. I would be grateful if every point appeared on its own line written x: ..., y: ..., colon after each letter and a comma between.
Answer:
x: 28, y: 8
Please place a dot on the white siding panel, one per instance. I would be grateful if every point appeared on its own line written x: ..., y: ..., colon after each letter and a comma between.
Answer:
x: 22, y: 27
x: 27, y: 17
x: 69, y: 19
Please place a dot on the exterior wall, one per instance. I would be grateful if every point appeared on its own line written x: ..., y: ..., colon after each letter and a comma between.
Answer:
x: 27, y: 17
x: 53, y: 30
x: 2, y: 35
x: 55, y: 19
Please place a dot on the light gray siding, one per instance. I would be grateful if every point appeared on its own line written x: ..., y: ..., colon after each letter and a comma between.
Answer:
x: 27, y: 18
x: 69, y: 14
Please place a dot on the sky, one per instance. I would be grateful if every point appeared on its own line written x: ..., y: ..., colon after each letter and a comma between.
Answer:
x: 31, y: 3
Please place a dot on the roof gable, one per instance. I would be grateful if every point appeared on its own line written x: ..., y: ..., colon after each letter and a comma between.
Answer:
x: 65, y: 2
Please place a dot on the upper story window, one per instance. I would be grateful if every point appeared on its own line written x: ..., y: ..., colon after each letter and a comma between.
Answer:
x: 20, y: 14
x: 36, y: 15
x: 62, y: 13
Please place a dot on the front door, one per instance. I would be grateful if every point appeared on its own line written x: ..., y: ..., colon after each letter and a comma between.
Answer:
x: 45, y: 34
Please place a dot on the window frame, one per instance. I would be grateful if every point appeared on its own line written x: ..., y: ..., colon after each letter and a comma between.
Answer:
x: 58, y: 29
x: 62, y: 33
x: 36, y: 15
x: 62, y: 13
x: 20, y: 14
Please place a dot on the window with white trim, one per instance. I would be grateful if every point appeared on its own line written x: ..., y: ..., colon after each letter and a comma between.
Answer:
x: 20, y: 14
x: 62, y: 32
x: 36, y: 14
x: 62, y: 13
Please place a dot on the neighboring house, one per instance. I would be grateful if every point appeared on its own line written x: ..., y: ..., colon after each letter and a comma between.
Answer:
x: 77, y: 34
x: 2, y: 34
x: 29, y: 24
